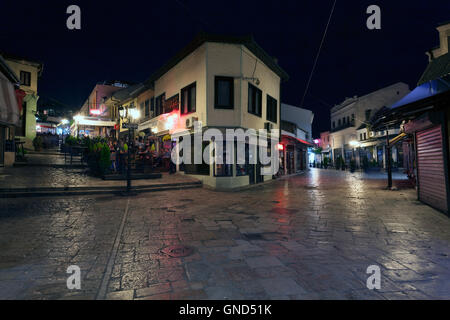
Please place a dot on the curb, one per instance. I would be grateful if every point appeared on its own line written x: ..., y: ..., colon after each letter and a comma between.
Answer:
x: 73, y: 191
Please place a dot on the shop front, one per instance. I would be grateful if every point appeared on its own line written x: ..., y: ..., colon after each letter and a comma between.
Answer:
x: 293, y: 154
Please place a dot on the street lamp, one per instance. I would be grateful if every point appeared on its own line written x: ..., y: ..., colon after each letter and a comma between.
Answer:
x: 129, y: 114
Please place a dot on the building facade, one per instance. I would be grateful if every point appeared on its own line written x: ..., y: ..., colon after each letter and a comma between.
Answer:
x: 9, y: 113
x: 216, y: 82
x: 296, y: 133
x: 350, y: 135
x: 28, y: 71
x: 424, y: 118
x: 97, y: 117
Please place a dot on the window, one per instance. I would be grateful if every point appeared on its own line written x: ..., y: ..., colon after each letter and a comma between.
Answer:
x: 339, y: 122
x: 360, y: 137
x: 224, y: 92
x: 188, y: 99
x: 368, y: 114
x: 348, y: 119
x: 224, y: 169
x: 200, y: 169
x: 271, y: 109
x: 147, y: 108
x: 365, y: 135
x: 334, y: 125
x: 242, y: 169
x: 25, y: 78
x: 159, y: 104
x: 152, y: 105
x: 254, y: 100
x: 343, y: 120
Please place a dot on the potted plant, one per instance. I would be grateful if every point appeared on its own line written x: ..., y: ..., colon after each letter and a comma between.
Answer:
x: 37, y: 143
x: 325, y: 162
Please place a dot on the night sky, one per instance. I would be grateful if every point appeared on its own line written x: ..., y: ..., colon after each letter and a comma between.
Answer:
x: 129, y: 40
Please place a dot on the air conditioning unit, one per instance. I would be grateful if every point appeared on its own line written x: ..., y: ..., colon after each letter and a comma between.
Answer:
x: 190, y: 122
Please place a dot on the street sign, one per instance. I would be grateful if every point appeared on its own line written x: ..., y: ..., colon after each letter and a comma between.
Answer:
x: 129, y: 125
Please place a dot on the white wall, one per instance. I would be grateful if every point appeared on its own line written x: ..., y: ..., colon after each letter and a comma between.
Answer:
x: 303, y: 118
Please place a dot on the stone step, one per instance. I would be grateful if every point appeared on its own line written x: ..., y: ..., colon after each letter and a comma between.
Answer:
x: 73, y: 191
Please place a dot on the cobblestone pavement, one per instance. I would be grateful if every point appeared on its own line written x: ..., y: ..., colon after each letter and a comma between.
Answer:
x: 306, y: 237
x: 38, y: 177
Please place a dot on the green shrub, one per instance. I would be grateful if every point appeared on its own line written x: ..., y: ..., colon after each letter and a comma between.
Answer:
x: 104, y: 159
x: 37, y: 142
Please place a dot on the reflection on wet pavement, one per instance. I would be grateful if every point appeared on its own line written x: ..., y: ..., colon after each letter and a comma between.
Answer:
x: 310, y: 236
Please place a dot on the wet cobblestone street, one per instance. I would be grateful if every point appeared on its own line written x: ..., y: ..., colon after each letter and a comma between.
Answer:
x: 310, y: 236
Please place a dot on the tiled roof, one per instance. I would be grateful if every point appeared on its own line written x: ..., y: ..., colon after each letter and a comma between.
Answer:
x: 247, y: 41
x: 437, y: 68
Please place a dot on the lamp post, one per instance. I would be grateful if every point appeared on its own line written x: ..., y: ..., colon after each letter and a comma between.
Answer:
x: 388, y: 159
x: 129, y: 114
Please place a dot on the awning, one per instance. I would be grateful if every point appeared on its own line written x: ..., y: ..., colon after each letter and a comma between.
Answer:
x: 305, y: 142
x: 397, y: 138
x: 291, y: 136
x: 425, y: 90
x: 9, y: 110
x: 368, y: 144
x: 96, y: 123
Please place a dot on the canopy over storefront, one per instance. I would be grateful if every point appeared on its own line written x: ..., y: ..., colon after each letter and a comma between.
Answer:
x: 425, y: 97
x: 425, y: 90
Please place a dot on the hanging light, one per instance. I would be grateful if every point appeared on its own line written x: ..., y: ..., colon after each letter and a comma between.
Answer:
x: 135, y: 113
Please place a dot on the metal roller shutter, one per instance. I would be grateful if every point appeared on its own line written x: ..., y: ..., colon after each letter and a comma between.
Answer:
x: 430, y: 167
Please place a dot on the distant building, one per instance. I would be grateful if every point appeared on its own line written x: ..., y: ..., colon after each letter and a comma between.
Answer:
x: 325, y: 145
x: 95, y: 117
x: 350, y: 135
x: 296, y: 133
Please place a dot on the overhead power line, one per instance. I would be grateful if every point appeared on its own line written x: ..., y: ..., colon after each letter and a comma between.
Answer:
x: 318, y: 53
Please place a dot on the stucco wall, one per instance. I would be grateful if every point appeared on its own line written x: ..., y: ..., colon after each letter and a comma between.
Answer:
x: 303, y: 118
x: 17, y: 67
x: 223, y: 60
x: 269, y: 84
x: 190, y: 69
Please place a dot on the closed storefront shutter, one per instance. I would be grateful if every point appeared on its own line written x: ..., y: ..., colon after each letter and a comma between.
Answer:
x: 430, y: 166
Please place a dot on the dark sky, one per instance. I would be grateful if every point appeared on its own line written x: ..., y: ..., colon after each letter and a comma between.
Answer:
x: 129, y: 40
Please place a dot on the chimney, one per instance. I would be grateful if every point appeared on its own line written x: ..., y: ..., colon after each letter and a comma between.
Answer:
x: 444, y: 34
